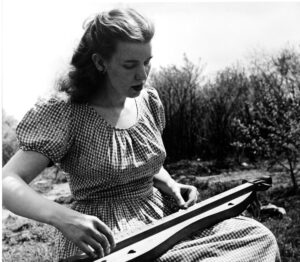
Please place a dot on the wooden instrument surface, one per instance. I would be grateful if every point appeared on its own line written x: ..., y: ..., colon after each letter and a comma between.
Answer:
x: 156, y: 239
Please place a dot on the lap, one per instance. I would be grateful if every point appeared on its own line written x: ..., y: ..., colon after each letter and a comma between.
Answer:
x: 236, y: 239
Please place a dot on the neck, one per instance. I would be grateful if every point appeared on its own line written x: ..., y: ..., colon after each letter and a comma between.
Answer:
x: 109, y: 98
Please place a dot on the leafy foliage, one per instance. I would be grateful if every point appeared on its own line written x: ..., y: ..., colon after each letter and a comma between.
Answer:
x: 272, y: 127
x: 224, y: 100
x: 178, y: 89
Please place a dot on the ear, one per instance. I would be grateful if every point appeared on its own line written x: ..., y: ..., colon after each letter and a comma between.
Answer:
x: 98, y: 62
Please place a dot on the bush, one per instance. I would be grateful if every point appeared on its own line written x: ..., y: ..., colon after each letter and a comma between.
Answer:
x: 272, y: 128
x: 199, y: 117
x: 178, y: 89
x: 225, y: 99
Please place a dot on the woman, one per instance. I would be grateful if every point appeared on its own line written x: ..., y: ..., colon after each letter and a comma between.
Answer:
x: 106, y: 134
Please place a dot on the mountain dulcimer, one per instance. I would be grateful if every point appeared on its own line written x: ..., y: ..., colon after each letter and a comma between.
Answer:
x: 154, y: 240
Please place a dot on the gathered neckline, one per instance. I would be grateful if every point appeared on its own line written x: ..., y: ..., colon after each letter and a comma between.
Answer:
x: 138, y: 116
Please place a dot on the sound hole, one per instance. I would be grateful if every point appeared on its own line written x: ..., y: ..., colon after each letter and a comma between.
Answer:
x: 230, y: 204
x: 104, y: 260
x: 131, y: 251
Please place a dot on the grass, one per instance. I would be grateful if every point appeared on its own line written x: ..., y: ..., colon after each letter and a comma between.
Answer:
x: 27, y: 240
x: 287, y: 229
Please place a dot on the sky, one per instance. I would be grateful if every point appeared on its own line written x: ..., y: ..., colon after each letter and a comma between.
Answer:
x: 39, y: 36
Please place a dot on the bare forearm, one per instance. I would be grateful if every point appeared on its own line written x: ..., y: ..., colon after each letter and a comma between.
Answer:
x: 22, y: 200
x: 163, y: 180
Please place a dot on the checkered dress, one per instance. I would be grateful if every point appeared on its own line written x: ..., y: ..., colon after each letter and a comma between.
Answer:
x: 110, y: 172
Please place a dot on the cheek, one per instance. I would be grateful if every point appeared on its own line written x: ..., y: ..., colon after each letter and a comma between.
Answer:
x: 120, y: 76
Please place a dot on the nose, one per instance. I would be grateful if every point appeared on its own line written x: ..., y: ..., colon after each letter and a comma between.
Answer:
x: 142, y: 73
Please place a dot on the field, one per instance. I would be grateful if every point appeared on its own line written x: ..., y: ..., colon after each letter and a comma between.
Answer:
x: 27, y: 240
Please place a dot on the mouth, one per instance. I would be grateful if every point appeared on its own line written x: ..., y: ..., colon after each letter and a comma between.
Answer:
x: 137, y: 87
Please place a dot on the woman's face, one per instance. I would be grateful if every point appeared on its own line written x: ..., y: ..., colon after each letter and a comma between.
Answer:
x: 128, y: 68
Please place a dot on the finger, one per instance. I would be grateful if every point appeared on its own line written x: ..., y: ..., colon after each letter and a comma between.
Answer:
x: 86, y: 249
x: 198, y: 197
x: 102, y: 239
x: 98, y: 248
x: 180, y: 201
x: 192, y: 197
x: 105, y: 230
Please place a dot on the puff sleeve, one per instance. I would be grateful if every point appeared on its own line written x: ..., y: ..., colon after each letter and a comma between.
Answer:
x: 157, y: 108
x: 48, y: 129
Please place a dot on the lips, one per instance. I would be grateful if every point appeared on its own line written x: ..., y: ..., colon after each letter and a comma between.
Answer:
x: 137, y: 87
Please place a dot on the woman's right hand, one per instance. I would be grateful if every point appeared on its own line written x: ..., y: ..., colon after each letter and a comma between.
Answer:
x: 88, y: 233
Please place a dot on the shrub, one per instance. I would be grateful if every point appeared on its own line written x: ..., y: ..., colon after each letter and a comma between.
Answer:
x: 178, y: 89
x: 225, y: 99
x: 272, y: 128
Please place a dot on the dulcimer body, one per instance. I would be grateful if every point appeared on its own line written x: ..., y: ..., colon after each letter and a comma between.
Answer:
x: 154, y: 240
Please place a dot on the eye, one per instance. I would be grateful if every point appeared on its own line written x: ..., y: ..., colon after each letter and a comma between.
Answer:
x: 129, y: 66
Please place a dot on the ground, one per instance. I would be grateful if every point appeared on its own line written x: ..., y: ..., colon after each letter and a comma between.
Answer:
x: 27, y: 240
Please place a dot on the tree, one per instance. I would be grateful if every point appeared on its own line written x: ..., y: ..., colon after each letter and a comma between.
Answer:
x: 225, y: 99
x: 178, y: 89
x: 272, y: 129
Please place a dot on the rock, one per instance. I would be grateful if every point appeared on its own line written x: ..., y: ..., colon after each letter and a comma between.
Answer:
x: 272, y: 210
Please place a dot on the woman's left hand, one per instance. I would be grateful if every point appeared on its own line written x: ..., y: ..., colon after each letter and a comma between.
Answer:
x: 185, y: 195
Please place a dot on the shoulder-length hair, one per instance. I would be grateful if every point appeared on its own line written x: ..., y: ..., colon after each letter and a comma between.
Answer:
x: 101, y: 36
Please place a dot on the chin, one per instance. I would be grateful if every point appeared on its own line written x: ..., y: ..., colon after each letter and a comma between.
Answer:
x: 134, y: 94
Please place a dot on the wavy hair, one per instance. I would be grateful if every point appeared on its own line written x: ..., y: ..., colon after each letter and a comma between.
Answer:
x: 101, y: 35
